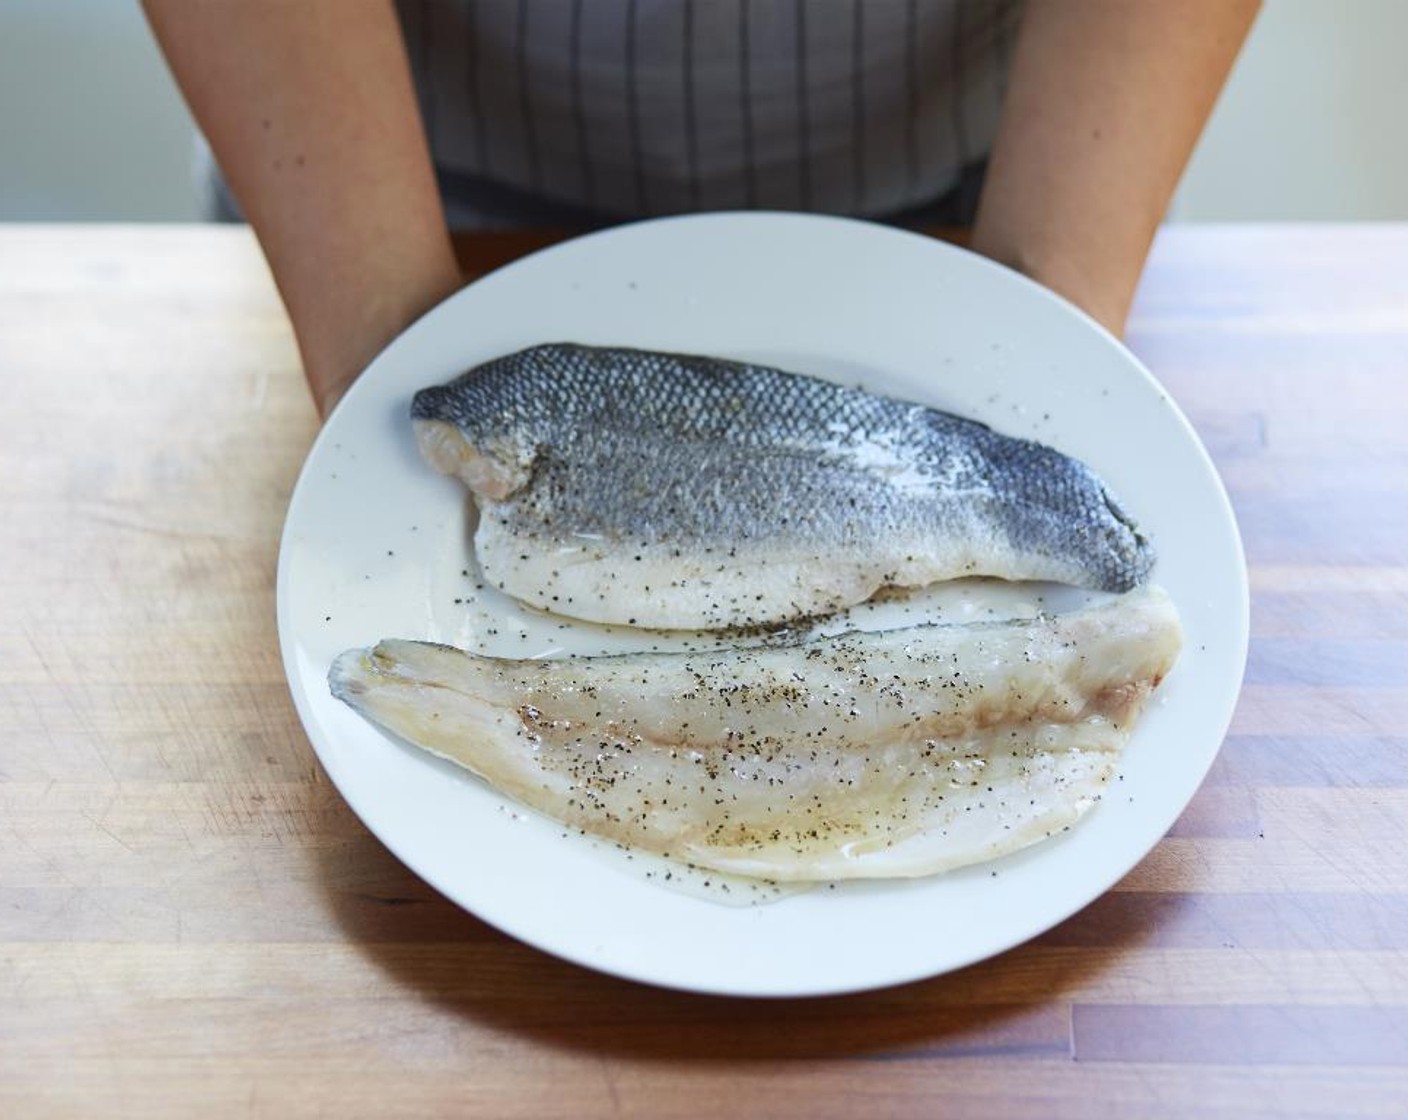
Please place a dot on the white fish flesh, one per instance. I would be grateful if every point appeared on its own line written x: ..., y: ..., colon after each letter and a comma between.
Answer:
x: 672, y: 491
x: 868, y: 754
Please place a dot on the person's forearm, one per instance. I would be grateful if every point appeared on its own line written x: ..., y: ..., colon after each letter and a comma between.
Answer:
x: 1105, y: 102
x: 311, y: 113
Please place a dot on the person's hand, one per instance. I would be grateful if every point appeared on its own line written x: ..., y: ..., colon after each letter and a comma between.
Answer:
x: 326, y: 396
x: 1104, y: 104
x: 310, y: 110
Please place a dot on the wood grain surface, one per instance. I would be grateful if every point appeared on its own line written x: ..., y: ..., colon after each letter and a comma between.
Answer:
x: 193, y: 924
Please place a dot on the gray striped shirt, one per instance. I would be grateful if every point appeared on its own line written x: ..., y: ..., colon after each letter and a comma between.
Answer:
x: 632, y: 107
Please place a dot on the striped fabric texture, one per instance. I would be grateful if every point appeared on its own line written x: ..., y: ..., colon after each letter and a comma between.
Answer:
x: 636, y: 107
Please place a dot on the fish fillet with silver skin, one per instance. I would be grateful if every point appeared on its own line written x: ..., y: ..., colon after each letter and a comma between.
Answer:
x: 671, y: 491
x: 865, y: 755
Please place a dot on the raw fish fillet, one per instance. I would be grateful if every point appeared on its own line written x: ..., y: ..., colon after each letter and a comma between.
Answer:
x: 864, y: 755
x: 663, y: 490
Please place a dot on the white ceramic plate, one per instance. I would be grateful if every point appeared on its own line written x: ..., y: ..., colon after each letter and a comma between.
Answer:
x: 376, y: 546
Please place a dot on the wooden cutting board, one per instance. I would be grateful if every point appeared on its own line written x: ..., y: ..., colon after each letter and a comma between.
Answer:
x: 192, y: 923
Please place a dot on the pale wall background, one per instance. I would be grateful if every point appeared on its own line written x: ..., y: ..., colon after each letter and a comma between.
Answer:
x: 1310, y: 127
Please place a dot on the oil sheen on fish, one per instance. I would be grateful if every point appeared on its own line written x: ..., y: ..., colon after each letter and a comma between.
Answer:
x: 865, y: 755
x: 672, y: 491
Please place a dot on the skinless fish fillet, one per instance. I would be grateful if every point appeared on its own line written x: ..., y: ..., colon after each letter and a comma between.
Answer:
x: 864, y: 755
x: 671, y: 491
